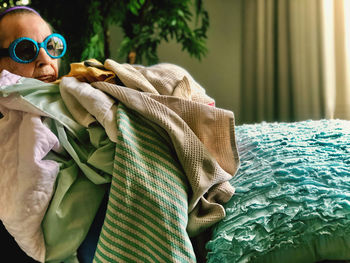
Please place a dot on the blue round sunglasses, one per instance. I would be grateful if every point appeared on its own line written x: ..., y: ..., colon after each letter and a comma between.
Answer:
x: 26, y: 50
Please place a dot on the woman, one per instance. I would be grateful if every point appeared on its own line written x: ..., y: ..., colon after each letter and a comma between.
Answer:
x: 28, y: 47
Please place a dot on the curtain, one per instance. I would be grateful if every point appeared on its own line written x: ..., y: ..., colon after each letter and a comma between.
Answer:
x: 295, y: 60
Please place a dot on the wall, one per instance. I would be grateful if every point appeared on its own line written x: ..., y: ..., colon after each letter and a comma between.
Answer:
x: 219, y: 71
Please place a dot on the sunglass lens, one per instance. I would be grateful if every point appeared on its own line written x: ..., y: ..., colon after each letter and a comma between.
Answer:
x: 55, y: 47
x: 25, y: 50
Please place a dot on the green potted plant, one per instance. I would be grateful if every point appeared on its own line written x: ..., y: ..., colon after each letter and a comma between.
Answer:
x: 144, y: 24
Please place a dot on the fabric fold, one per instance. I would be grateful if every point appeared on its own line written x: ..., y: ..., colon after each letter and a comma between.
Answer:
x: 27, y: 180
x: 202, y: 135
x: 202, y: 169
x: 33, y: 165
x: 88, y: 105
x: 146, y: 215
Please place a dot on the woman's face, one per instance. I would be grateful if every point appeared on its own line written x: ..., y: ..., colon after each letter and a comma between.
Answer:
x: 33, y: 26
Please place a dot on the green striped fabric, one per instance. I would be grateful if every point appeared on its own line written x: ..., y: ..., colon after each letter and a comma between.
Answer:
x: 147, y: 209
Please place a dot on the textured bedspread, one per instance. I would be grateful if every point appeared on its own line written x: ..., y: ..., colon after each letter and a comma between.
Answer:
x: 292, y: 200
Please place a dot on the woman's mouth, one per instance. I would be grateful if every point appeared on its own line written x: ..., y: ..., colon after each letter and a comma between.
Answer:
x: 46, y: 78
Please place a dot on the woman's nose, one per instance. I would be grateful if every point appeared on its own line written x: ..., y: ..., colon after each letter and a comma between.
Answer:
x: 43, y: 58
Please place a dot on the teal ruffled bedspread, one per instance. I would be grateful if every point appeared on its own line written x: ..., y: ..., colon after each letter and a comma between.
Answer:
x: 292, y: 200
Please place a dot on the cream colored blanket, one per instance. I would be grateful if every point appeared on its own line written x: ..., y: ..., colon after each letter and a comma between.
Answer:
x: 203, y: 136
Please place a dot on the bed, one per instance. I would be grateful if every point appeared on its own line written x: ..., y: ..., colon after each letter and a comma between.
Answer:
x: 120, y: 172
x: 292, y: 195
